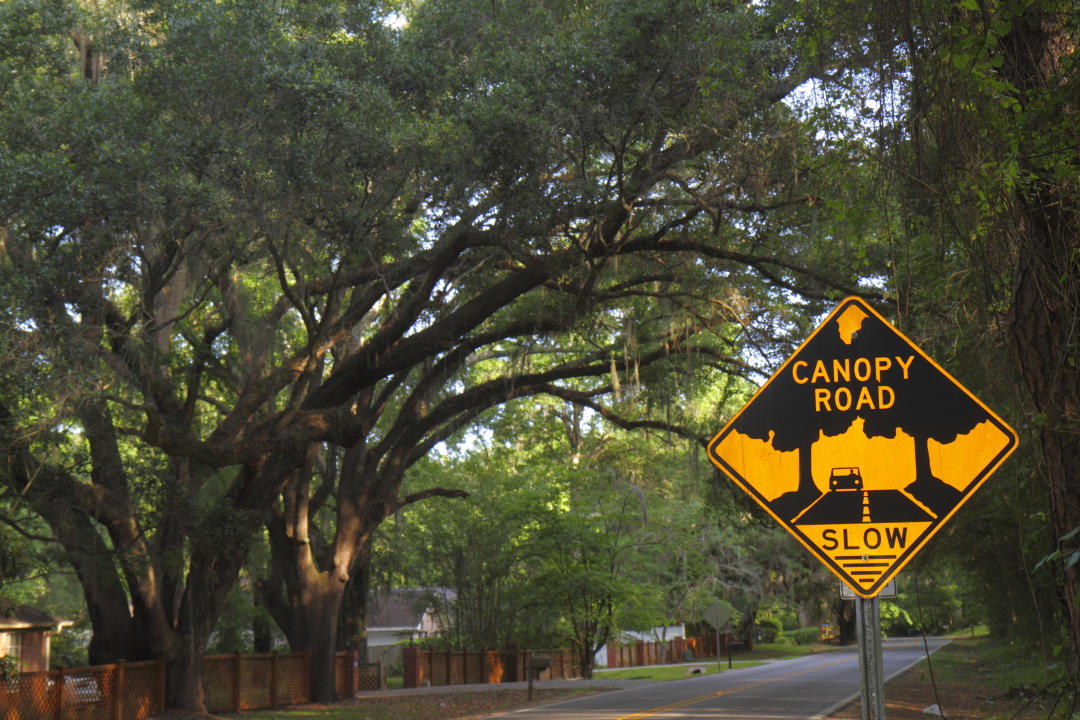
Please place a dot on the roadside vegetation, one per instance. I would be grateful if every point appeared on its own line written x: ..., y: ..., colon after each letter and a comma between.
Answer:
x: 979, y: 678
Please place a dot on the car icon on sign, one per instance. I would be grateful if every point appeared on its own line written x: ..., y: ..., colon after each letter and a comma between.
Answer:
x: 845, y: 478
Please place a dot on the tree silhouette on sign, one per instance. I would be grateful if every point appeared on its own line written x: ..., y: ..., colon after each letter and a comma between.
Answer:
x: 783, y: 413
x: 929, y: 405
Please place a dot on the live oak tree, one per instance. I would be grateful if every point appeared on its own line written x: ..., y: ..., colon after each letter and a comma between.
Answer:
x: 242, y: 244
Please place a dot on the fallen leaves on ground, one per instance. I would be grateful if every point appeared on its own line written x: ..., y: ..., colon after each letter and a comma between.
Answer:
x: 427, y: 706
x: 913, y: 696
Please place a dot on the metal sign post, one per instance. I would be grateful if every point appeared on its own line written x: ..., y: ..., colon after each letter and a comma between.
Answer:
x: 717, y: 615
x: 871, y: 664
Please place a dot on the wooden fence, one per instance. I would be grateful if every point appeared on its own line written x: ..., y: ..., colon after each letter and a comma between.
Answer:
x: 676, y: 650
x: 462, y: 667
x: 134, y: 691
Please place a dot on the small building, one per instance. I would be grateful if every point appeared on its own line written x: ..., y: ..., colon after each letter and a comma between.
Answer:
x: 404, y: 615
x: 656, y: 634
x: 24, y: 635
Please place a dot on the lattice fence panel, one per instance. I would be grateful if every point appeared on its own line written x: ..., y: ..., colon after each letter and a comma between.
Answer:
x: 143, y: 694
x: 29, y: 696
x: 370, y: 677
x: 217, y: 679
x: 255, y: 673
x: 291, y: 679
x: 88, y: 694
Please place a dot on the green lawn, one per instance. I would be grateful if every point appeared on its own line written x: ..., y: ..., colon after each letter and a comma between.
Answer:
x: 776, y: 651
x: 760, y: 653
x: 661, y: 673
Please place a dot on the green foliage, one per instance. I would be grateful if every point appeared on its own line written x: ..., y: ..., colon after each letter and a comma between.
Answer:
x: 895, y: 620
x: 769, y: 629
x: 234, y: 631
x: 541, y: 532
x: 804, y: 636
x: 68, y: 648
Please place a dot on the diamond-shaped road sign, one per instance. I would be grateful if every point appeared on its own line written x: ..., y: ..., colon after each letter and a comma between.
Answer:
x: 861, y: 446
x: 717, y: 615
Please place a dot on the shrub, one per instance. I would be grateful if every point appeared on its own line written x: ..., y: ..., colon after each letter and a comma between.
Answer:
x: 804, y: 636
x: 770, y: 629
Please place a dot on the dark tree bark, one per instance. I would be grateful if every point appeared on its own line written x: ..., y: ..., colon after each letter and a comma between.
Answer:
x: 352, y: 620
x: 844, y: 612
x: 1045, y: 305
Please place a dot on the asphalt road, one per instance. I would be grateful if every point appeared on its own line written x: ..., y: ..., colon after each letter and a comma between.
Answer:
x: 806, y: 687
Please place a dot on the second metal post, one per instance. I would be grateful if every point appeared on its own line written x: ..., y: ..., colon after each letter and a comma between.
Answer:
x: 871, y: 669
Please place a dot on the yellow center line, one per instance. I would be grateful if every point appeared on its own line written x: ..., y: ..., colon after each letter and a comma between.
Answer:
x: 729, y: 691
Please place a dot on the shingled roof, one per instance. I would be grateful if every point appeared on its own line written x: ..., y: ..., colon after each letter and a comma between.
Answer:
x: 404, y: 608
x: 24, y: 617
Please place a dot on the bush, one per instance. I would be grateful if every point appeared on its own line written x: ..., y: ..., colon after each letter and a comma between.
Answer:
x: 804, y: 636
x: 895, y: 620
x: 789, y: 619
x: 9, y: 667
x: 436, y: 642
x: 770, y: 629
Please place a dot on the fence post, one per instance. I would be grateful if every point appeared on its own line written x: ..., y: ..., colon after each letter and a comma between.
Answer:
x: 162, y: 684
x: 353, y: 685
x: 118, y: 691
x: 409, y: 662
x: 273, y: 679
x: 58, y: 691
x: 236, y: 683
x: 307, y: 675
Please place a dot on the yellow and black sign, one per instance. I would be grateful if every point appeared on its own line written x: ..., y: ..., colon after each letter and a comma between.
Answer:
x: 862, y: 446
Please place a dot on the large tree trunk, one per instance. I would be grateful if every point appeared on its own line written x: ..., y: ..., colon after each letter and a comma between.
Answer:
x: 307, y: 612
x: 212, y: 571
x: 844, y: 612
x: 323, y: 602
x: 113, y: 637
x: 183, y: 680
x: 1037, y: 329
x: 51, y: 492
x: 1046, y: 300
x: 308, y: 615
x: 352, y: 620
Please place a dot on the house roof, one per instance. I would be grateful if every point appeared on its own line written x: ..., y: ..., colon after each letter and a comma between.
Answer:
x: 23, y: 617
x: 403, y: 608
